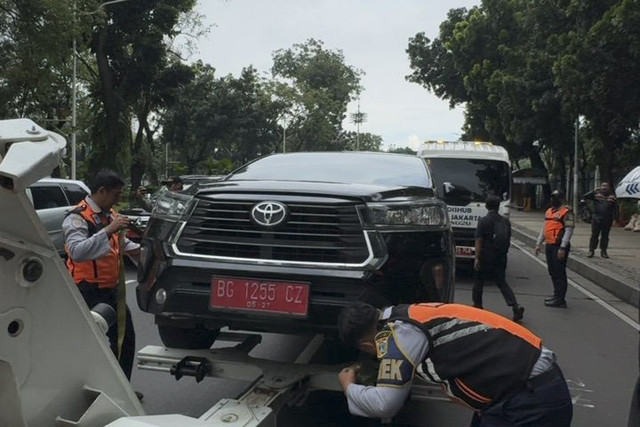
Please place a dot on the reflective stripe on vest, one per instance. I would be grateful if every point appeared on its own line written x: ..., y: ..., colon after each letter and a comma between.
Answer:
x: 479, y: 357
x: 104, y: 270
x: 554, y: 225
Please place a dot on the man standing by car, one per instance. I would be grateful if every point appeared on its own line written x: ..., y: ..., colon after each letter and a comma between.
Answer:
x: 174, y: 183
x: 604, y: 212
x: 556, y: 234
x: 94, y: 244
x: 496, y: 367
x: 492, y: 241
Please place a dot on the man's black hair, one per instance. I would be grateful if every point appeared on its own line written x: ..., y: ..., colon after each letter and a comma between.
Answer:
x: 105, y: 178
x: 356, y: 321
x: 492, y: 203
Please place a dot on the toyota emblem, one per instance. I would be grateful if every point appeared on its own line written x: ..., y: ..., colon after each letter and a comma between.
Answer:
x: 269, y: 214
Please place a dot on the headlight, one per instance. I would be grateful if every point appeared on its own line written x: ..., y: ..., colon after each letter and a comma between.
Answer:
x: 172, y: 206
x: 406, y: 214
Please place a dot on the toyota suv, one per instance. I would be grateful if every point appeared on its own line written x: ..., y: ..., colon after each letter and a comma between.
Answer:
x: 285, y: 242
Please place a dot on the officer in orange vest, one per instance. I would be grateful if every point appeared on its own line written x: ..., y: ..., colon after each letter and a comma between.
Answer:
x: 93, y: 246
x: 556, y: 234
x: 486, y: 362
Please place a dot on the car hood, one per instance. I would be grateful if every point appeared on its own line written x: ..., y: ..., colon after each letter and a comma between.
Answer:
x: 362, y: 192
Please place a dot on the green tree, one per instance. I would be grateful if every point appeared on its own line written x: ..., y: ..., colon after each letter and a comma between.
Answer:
x: 314, y: 86
x: 366, y: 141
x: 133, y: 57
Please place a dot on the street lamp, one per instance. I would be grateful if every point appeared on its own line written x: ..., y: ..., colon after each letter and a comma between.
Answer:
x: 74, y: 83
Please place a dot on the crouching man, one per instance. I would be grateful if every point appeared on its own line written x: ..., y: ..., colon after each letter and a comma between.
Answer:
x: 496, y: 367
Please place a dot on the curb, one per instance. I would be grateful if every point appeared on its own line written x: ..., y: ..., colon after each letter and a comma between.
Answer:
x: 606, y: 279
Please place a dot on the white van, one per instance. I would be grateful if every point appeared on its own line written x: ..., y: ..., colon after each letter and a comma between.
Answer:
x: 465, y: 174
x: 52, y: 198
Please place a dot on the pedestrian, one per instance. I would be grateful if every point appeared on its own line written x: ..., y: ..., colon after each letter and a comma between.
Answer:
x: 174, y: 183
x: 604, y: 213
x: 492, y: 241
x: 495, y: 366
x: 556, y: 234
x: 93, y: 245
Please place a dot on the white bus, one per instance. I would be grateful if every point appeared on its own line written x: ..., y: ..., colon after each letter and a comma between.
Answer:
x: 465, y: 174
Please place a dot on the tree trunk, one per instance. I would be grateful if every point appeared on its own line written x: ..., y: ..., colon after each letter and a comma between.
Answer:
x: 110, y: 102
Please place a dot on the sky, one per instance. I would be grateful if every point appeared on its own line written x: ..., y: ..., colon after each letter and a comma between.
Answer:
x: 373, y: 36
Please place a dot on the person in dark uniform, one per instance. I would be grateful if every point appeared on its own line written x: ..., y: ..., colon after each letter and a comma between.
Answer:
x: 604, y: 213
x: 93, y: 245
x: 492, y: 240
x: 496, y: 367
x: 556, y: 234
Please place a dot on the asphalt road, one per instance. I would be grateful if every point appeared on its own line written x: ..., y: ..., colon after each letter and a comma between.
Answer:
x: 595, y: 339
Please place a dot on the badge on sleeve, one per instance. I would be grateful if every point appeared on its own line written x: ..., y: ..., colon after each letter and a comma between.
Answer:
x: 382, y: 343
x: 77, y: 222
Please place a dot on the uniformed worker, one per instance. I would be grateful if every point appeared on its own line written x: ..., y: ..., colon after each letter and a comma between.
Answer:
x: 93, y: 248
x: 556, y: 234
x: 484, y: 361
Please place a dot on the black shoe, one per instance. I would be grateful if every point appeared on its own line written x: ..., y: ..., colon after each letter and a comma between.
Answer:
x: 549, y: 298
x: 139, y: 395
x: 590, y: 254
x: 518, y: 312
x: 556, y: 303
x: 478, y: 306
x: 603, y: 254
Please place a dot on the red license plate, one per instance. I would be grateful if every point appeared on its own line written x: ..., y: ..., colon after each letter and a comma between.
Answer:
x: 260, y: 295
x: 465, y: 251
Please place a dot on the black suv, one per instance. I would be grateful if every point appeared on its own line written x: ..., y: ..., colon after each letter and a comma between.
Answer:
x: 284, y: 242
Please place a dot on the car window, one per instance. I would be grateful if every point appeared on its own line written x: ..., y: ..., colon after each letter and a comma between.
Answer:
x: 74, y: 192
x: 47, y: 197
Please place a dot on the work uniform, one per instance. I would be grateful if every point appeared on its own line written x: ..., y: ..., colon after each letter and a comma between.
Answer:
x: 556, y: 233
x: 604, y: 209
x: 484, y: 361
x: 94, y: 264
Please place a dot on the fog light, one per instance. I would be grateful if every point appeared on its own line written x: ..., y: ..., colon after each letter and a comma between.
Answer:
x: 161, y: 296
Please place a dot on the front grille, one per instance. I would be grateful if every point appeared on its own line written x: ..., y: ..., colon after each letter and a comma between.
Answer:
x: 317, y: 231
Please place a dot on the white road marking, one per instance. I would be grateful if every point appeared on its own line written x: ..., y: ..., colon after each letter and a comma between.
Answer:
x: 591, y: 295
x: 128, y: 282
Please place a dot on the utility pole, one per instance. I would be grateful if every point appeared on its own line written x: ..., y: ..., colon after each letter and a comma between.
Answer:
x: 575, y: 167
x: 73, y: 99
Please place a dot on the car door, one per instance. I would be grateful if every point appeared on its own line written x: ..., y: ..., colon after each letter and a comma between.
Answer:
x: 51, y: 204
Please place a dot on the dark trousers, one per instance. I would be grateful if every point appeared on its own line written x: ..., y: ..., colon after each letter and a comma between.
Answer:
x: 544, y: 405
x: 92, y: 296
x: 600, y: 226
x: 557, y: 270
x: 496, y: 270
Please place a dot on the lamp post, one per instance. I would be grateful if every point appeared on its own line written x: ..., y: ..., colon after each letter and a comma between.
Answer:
x: 74, y: 92
x: 575, y: 167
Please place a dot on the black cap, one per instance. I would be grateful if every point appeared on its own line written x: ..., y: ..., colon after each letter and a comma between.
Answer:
x: 557, y: 193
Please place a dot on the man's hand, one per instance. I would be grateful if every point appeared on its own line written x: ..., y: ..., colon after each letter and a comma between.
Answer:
x: 348, y: 375
x: 536, y: 250
x: 118, y: 223
x: 562, y: 254
x: 476, y: 264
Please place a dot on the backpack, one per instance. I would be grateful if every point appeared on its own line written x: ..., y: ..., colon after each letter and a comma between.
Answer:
x: 501, y: 236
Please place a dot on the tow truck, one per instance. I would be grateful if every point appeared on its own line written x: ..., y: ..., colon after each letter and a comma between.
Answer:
x: 56, y: 367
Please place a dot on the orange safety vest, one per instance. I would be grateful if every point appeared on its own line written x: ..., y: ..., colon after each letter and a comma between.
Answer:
x: 554, y: 225
x: 102, y: 271
x: 478, y: 357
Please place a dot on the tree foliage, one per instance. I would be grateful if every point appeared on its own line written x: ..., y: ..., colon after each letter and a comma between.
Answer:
x: 526, y: 70
x: 314, y: 87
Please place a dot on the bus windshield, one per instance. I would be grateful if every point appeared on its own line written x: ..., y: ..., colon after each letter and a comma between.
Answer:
x: 462, y: 181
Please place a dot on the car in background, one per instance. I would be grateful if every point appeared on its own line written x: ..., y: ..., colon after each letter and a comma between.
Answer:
x: 52, y: 198
x: 283, y: 243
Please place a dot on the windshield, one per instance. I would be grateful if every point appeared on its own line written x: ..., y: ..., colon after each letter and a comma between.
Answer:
x: 353, y: 168
x: 462, y: 181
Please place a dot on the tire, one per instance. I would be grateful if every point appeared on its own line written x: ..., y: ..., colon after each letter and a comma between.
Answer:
x: 192, y: 339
